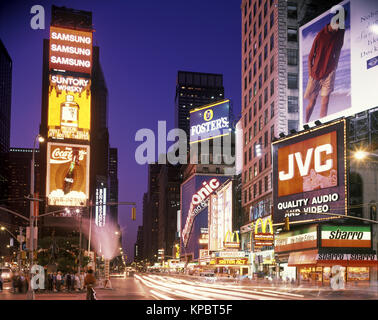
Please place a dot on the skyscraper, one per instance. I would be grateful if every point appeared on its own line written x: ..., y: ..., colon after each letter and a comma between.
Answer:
x: 194, y: 89
x: 5, y: 111
x: 269, y: 89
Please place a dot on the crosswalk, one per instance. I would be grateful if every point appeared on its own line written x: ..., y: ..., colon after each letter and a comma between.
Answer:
x: 169, y: 288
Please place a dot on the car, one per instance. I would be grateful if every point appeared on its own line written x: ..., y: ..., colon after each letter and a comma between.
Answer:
x: 6, y: 274
x: 209, y: 276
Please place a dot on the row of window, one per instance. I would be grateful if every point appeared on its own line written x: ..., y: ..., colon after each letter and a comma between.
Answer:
x: 257, y: 189
x: 260, y: 143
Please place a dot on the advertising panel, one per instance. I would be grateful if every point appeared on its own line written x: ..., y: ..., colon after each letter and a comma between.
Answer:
x: 67, y: 174
x: 69, y: 109
x: 346, y: 236
x: 209, y: 122
x: 309, y: 174
x: 100, y: 209
x: 195, y: 193
x: 305, y: 238
x: 220, y: 216
x: 229, y: 261
x: 70, y: 50
x: 339, y: 62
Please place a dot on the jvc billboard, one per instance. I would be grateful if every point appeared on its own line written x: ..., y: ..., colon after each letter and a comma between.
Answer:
x: 309, y: 174
x: 210, y: 121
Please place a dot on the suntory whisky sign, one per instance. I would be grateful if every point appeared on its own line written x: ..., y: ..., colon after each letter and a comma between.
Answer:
x: 70, y: 50
x: 67, y: 174
x: 69, y: 111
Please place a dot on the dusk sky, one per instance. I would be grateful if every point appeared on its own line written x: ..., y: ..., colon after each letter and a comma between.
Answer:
x: 142, y: 46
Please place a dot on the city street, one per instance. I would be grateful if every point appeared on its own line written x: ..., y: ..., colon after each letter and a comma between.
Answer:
x: 164, y: 287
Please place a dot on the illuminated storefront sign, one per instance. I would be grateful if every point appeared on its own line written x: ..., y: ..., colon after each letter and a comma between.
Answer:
x: 230, y: 254
x: 309, y: 174
x: 67, y: 181
x: 209, y: 122
x: 229, y: 261
x: 70, y: 50
x: 231, y: 240
x: 346, y: 236
x: 69, y: 107
x: 305, y: 238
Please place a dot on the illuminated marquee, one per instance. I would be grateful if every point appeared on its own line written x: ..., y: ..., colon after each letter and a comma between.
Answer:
x: 197, y: 205
x: 70, y: 50
x: 231, y: 240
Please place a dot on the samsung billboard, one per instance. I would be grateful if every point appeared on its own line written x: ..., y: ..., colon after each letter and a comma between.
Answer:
x: 210, y: 121
x: 309, y: 174
x: 338, y: 62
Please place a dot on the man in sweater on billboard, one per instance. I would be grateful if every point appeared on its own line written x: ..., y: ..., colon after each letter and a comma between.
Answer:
x: 322, y: 64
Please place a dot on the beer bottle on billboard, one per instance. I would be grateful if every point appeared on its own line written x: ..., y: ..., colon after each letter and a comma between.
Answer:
x: 69, y: 112
x: 69, y: 178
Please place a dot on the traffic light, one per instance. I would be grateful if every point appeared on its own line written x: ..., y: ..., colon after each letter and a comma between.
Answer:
x: 287, y: 224
x: 133, y: 213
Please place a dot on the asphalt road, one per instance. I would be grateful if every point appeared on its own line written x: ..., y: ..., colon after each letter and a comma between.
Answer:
x: 164, y: 287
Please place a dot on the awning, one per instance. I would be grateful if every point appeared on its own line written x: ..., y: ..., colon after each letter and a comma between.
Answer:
x: 316, y: 258
x: 302, y: 258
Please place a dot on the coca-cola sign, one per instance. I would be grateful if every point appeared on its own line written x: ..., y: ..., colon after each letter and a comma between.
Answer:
x: 60, y: 155
x: 67, y: 182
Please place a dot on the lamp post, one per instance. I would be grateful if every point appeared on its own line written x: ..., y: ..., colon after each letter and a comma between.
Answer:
x: 32, y: 214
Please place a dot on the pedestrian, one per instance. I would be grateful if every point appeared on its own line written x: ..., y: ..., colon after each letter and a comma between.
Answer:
x: 77, y: 281
x: 54, y: 281
x: 68, y: 281
x: 58, y: 281
x: 82, y: 277
x: 89, y: 282
x: 50, y: 282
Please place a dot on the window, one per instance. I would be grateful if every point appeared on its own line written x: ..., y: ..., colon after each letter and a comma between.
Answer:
x: 266, y: 117
x: 271, y: 133
x: 265, y: 8
x: 265, y: 73
x: 249, y: 76
x: 272, y: 87
x: 254, y: 29
x: 245, y: 176
x: 292, y: 81
x: 250, y: 154
x: 260, y: 187
x: 250, y: 19
x: 265, y: 30
x: 260, y: 19
x: 266, y: 139
x: 255, y: 129
x: 271, y: 110
x: 249, y: 194
x: 271, y: 42
x: 260, y: 81
x: 254, y: 151
x: 250, y: 134
x: 292, y: 10
x: 254, y: 109
x: 245, y: 195
x: 245, y: 101
x: 245, y: 83
x: 272, y: 19
x: 292, y: 34
x: 254, y: 9
x: 254, y: 69
x: 250, y: 38
x: 292, y: 57
x: 245, y: 46
x: 245, y: 28
x: 254, y: 49
x: 250, y: 95
x: 254, y: 190
x: 265, y: 95
x: 254, y: 88
x: 245, y: 64
x: 245, y: 158
x: 266, y: 187
x: 255, y: 172
x: 245, y: 10
x: 249, y: 115
x: 260, y: 102
x: 292, y: 104
x: 266, y: 160
x: 250, y: 173
x: 265, y: 52
x: 292, y: 125
x: 271, y: 65
x: 250, y: 57
x: 260, y: 124
x: 260, y: 60
x: 245, y: 138
x: 260, y: 40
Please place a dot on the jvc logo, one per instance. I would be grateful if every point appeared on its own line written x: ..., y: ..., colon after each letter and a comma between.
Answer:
x: 304, y: 166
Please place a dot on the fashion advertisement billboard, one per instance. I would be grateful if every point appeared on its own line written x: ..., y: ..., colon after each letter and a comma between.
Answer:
x: 309, y: 174
x: 338, y: 62
x: 67, y: 181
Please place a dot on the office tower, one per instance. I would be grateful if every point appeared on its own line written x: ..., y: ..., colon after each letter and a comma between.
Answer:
x: 194, y: 89
x: 138, y: 246
x: 113, y: 184
x: 270, y: 68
